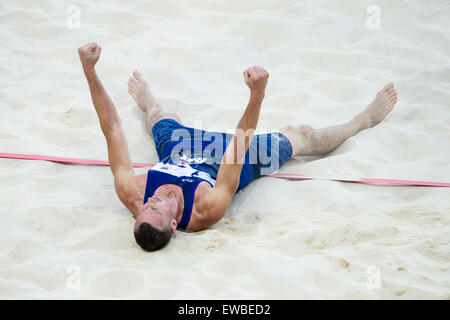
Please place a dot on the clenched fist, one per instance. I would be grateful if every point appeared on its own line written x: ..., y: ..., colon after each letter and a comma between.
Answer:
x: 89, y: 55
x: 256, y: 78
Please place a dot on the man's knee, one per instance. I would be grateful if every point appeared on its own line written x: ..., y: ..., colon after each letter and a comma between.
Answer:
x: 306, y: 131
x: 302, y: 138
x: 309, y: 136
x: 157, y: 114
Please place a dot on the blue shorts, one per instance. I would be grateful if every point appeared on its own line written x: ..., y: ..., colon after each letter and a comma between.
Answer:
x: 203, y: 150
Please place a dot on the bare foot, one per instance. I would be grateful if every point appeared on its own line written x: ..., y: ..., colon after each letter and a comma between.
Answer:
x: 379, y: 108
x: 141, y: 92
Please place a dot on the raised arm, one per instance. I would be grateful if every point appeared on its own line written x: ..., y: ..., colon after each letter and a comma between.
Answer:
x: 118, y: 155
x: 227, y: 182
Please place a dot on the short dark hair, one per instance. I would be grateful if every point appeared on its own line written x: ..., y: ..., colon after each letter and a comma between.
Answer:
x: 151, y: 238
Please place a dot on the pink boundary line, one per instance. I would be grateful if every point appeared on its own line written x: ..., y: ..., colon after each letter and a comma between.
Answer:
x: 290, y: 176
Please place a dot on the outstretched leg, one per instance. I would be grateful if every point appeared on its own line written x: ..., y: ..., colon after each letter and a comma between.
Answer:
x: 307, y: 141
x: 140, y: 91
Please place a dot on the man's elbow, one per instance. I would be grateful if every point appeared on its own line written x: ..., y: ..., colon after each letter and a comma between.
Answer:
x: 111, y: 125
x: 232, y: 186
x: 228, y: 184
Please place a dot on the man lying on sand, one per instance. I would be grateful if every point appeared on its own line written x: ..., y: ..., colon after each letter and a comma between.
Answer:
x: 197, y: 177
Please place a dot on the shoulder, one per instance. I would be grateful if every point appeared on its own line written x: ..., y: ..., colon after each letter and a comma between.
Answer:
x: 130, y: 188
x: 210, y: 205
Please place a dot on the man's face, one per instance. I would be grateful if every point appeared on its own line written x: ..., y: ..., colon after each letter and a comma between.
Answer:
x: 156, y: 212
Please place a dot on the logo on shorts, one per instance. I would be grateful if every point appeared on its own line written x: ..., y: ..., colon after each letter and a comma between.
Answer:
x: 192, y: 160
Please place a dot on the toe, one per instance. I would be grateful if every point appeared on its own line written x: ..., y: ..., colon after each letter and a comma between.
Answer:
x: 131, y: 86
x: 132, y: 82
x: 137, y: 75
x: 388, y: 86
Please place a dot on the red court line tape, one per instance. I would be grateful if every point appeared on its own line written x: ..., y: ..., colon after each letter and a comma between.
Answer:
x: 290, y: 176
x: 66, y: 160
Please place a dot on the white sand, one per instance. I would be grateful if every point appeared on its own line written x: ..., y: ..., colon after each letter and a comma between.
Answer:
x: 279, y: 239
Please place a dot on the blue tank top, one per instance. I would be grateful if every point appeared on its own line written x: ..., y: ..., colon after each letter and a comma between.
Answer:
x: 181, y: 174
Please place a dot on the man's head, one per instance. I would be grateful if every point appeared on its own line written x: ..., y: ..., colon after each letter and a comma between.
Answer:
x: 155, y: 223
